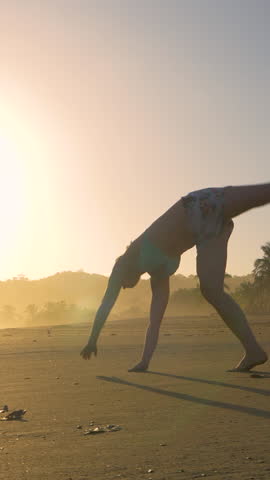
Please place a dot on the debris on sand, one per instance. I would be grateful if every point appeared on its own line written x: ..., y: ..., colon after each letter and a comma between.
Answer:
x: 4, y: 409
x: 14, y: 415
x: 113, y: 428
x: 94, y: 431
x: 102, y: 429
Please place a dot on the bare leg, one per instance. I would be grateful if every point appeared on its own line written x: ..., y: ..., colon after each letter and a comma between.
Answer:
x: 238, y: 200
x: 151, y: 340
x: 160, y: 297
x: 211, y: 264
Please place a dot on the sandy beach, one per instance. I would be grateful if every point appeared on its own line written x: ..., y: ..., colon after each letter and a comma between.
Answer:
x: 185, y: 418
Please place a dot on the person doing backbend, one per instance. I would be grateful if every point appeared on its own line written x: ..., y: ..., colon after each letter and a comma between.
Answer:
x: 202, y: 218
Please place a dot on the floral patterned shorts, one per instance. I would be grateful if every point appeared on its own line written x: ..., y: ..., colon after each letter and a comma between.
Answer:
x: 204, y: 209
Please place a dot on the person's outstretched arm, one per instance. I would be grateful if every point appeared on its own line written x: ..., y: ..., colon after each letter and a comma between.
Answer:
x: 108, y: 301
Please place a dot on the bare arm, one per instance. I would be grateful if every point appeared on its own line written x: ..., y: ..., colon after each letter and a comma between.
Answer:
x: 108, y: 301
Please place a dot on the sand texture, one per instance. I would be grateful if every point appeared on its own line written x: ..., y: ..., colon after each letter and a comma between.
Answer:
x: 185, y: 418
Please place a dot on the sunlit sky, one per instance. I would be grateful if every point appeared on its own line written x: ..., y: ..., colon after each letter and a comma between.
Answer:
x: 110, y: 110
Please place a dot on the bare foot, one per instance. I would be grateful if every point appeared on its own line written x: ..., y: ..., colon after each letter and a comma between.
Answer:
x: 140, y: 367
x: 250, y: 361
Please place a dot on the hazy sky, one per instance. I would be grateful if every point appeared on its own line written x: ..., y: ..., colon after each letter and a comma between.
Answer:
x: 110, y: 110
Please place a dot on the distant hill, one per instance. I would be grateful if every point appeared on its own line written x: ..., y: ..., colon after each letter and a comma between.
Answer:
x: 85, y: 291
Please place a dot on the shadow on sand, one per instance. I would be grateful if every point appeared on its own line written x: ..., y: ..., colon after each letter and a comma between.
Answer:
x: 189, y: 398
x: 260, y: 391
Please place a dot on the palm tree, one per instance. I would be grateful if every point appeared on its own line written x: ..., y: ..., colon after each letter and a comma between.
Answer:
x: 261, y: 269
x: 246, y: 295
x: 261, y: 273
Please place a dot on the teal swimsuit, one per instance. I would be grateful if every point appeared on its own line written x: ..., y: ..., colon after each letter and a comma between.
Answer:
x: 152, y: 259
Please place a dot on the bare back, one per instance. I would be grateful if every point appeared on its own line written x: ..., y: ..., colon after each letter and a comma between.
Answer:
x: 171, y: 231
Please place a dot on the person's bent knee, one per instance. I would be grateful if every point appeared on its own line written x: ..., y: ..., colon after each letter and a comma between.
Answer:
x: 212, y: 294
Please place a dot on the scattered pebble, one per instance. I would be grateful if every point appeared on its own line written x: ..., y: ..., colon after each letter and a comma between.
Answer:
x: 15, y: 415
x: 4, y: 409
x: 79, y: 427
x: 94, y: 431
x: 163, y: 444
x: 150, y: 470
x: 102, y: 429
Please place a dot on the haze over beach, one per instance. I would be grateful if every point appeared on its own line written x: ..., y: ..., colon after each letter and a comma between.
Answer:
x: 110, y: 111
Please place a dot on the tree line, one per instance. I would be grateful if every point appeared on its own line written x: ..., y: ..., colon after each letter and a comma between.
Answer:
x: 51, y: 313
x: 252, y: 294
x: 255, y: 296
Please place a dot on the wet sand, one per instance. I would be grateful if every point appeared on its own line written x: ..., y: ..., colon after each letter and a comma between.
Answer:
x: 186, y: 418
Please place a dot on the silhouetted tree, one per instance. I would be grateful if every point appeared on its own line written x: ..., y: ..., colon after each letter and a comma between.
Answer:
x: 9, y: 315
x: 31, y: 311
x: 262, y: 266
x: 255, y: 296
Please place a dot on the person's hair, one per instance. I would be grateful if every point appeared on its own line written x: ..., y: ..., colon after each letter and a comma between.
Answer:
x: 128, y: 268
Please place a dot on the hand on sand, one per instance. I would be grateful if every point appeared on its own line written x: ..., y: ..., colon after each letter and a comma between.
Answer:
x: 140, y: 367
x: 88, y: 350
